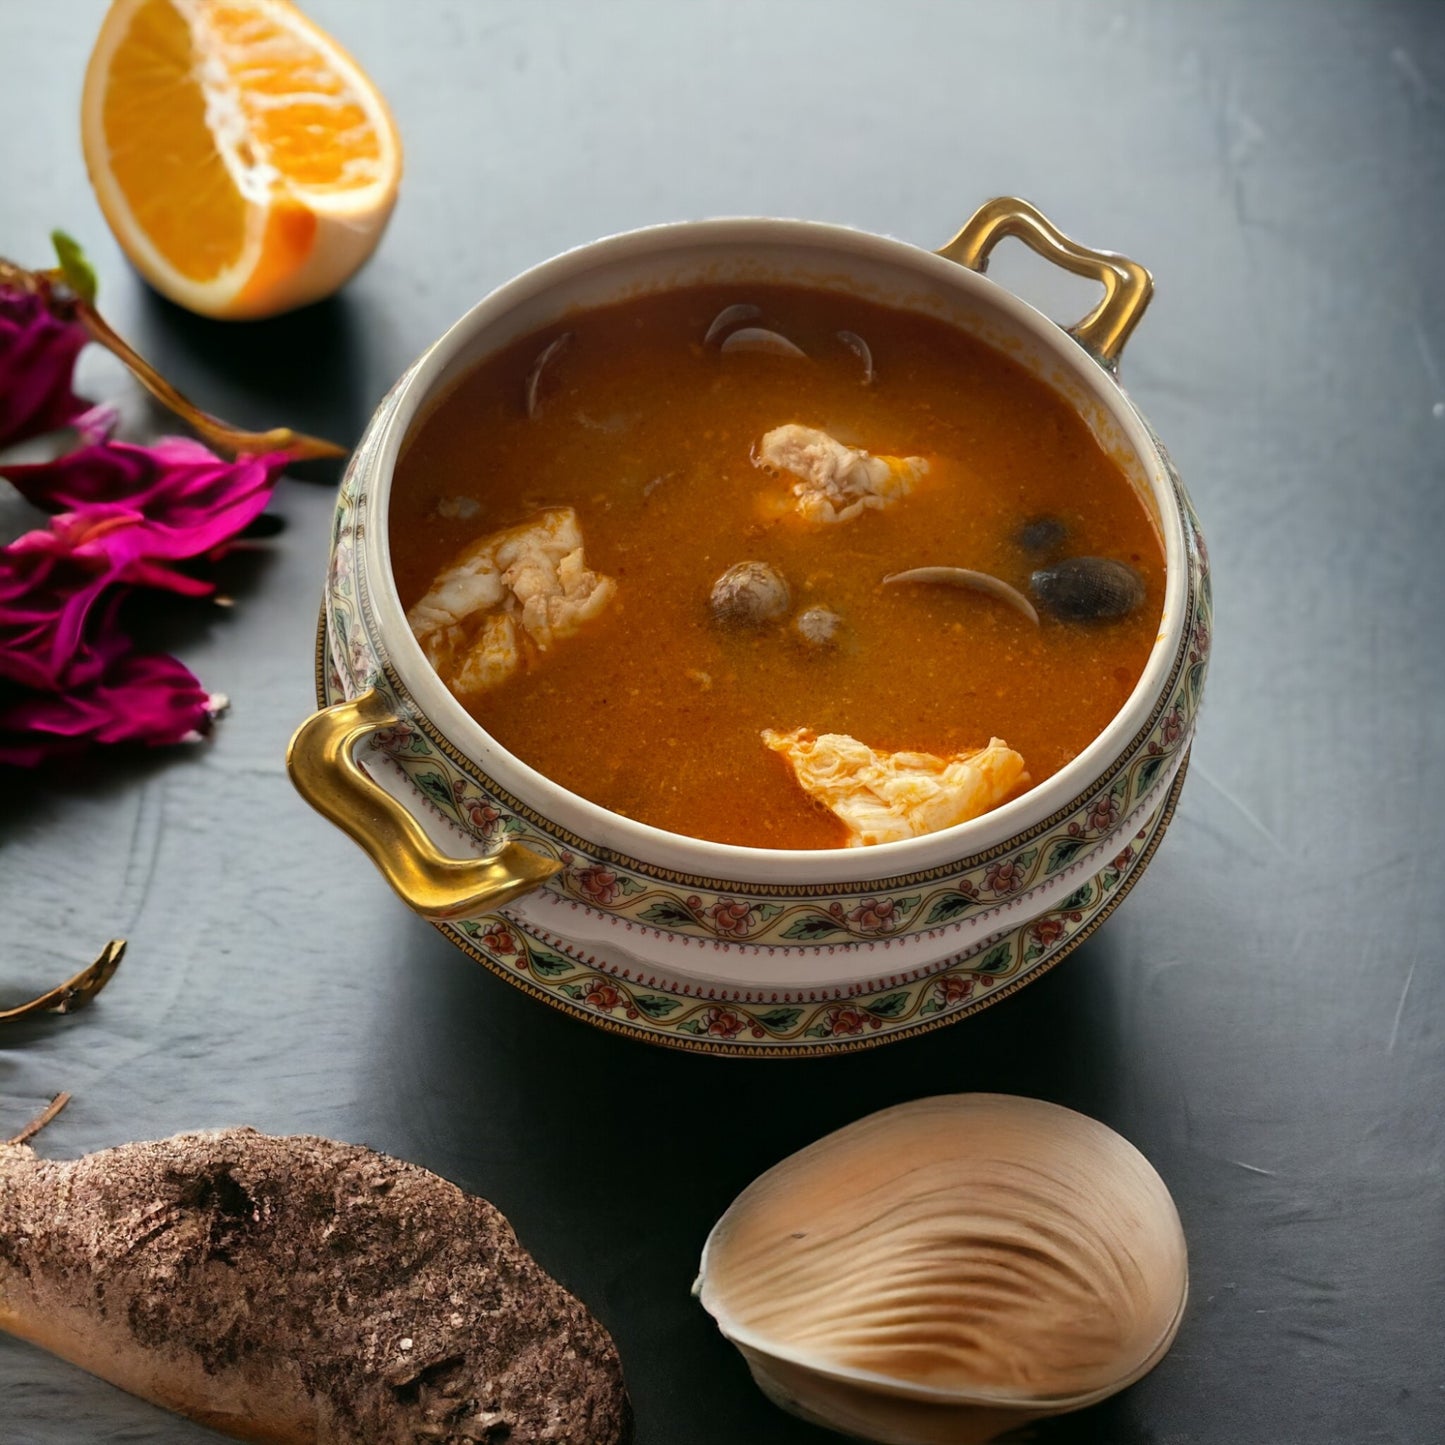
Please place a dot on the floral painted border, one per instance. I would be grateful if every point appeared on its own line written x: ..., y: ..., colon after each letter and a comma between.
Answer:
x: 785, y: 1027
x: 541, y: 966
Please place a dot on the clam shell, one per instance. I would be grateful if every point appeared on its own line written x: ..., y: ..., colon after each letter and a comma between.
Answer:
x: 1088, y: 589
x: 950, y: 1268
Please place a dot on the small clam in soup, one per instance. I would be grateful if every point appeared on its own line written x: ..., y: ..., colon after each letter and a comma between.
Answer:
x: 775, y: 567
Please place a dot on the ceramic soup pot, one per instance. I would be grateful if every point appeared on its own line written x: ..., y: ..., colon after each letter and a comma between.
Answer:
x: 733, y: 949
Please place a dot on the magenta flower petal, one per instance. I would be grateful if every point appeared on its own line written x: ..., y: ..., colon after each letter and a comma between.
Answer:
x: 37, y: 367
x: 137, y: 697
x: 52, y: 579
x: 46, y: 600
x: 191, y: 502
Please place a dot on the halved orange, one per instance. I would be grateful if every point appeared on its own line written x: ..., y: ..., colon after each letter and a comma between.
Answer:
x: 244, y: 161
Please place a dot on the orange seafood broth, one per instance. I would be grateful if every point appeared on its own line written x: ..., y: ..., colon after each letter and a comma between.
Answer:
x: 654, y: 710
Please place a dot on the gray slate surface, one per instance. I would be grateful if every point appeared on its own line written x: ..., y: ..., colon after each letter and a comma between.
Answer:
x: 1262, y: 1018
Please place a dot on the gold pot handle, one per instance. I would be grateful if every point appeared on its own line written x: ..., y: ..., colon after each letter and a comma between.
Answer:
x: 1127, y: 285
x: 324, y: 769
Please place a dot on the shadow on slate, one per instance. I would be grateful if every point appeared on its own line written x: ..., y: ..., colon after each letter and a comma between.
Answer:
x: 613, y: 1158
x: 306, y: 369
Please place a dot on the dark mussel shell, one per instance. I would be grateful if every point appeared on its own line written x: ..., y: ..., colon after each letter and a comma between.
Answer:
x: 1088, y: 589
x: 1041, y: 534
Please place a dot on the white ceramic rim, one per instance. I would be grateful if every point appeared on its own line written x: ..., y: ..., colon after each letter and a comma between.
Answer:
x: 609, y: 832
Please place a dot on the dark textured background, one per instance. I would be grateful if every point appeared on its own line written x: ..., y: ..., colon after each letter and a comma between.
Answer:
x: 1262, y: 1018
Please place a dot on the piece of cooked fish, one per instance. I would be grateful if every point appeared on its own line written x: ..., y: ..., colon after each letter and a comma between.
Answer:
x: 836, y: 483
x: 511, y: 592
x: 885, y: 797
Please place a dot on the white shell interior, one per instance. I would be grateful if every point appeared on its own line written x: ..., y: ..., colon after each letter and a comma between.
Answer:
x: 828, y: 258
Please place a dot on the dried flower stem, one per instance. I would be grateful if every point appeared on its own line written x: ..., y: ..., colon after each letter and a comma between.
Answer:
x: 50, y: 286
x: 40, y: 1120
x: 76, y: 992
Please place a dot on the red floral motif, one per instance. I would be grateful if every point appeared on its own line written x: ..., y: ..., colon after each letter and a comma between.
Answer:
x: 731, y: 917
x: 875, y: 915
x: 953, y: 988
x: 1104, y: 813
x: 846, y: 1020
x: 602, y: 995
x: 395, y: 736
x: 500, y: 939
x: 480, y: 814
x: 723, y: 1023
x: 599, y: 884
x: 1199, y: 642
x: 1004, y: 876
x: 1171, y: 727
x: 1047, y: 932
x: 1124, y: 859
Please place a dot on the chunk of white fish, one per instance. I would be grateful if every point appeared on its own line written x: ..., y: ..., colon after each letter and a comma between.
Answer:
x: 886, y: 797
x: 506, y: 596
x: 836, y: 483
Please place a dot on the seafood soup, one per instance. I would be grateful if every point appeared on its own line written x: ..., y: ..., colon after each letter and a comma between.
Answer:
x: 776, y: 567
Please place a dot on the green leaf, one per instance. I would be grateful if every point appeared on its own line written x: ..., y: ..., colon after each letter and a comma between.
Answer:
x: 1079, y: 898
x: 628, y: 886
x: 550, y: 965
x: 779, y: 1020
x: 949, y: 906
x: 763, y: 911
x: 78, y: 272
x: 1063, y: 853
x: 655, y: 1006
x: 1026, y: 858
x: 931, y: 1007
x: 994, y: 961
x: 890, y: 1006
x: 572, y: 990
x: 1147, y: 773
x: 692, y: 1026
x: 668, y: 915
x: 817, y: 925
x: 435, y: 787
x: 819, y: 1031
x: 905, y: 906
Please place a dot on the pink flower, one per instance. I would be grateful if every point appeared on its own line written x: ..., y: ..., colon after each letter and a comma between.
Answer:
x: 37, y: 364
x: 599, y: 884
x: 184, y: 501
x: 1047, y: 931
x: 49, y: 583
x: 731, y: 917
x: 953, y: 988
x: 602, y: 995
x: 846, y: 1020
x: 875, y: 915
x: 128, y: 697
x: 499, y: 939
x: 1004, y: 876
x: 723, y: 1023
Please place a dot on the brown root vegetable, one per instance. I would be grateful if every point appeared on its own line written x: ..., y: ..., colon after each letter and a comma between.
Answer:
x: 300, y: 1291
